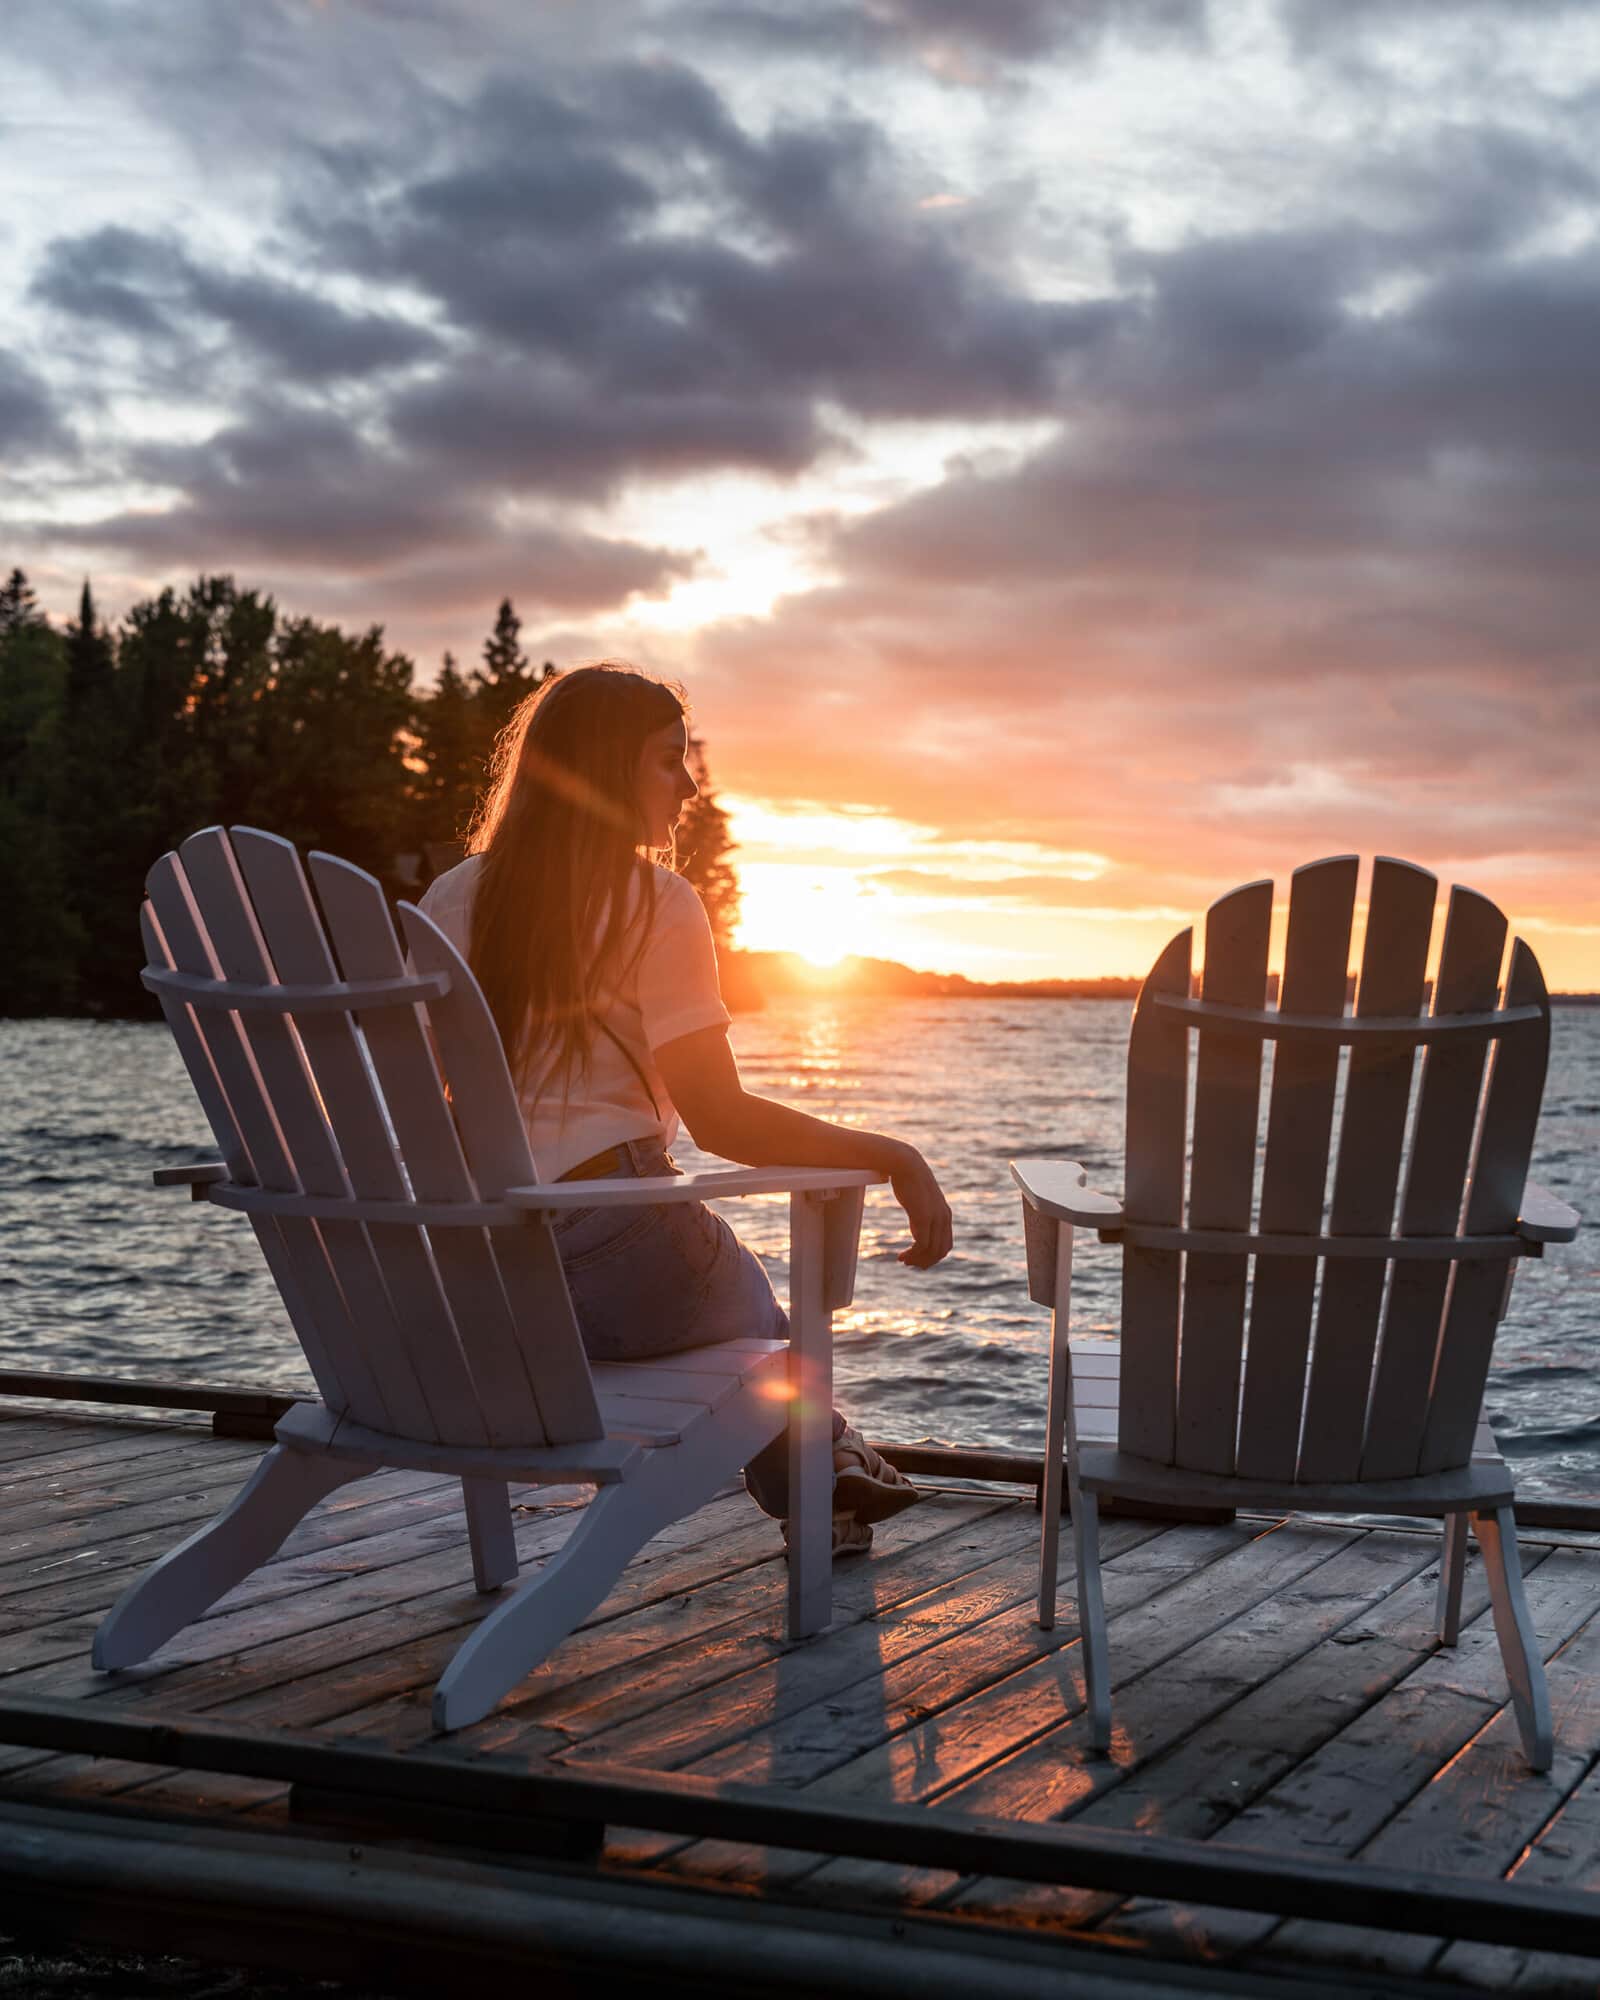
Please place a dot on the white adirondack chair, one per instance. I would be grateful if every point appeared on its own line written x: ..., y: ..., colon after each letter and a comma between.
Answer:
x: 407, y: 1233
x: 1347, y: 1372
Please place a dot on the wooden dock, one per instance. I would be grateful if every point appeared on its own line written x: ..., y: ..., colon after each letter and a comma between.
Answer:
x: 1278, y: 1696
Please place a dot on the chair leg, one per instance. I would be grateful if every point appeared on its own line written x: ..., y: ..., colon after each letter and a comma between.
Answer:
x: 527, y: 1625
x: 281, y: 1491
x: 1519, y: 1643
x: 1452, y: 1570
x: 810, y: 1575
x: 1092, y: 1617
x: 1055, y: 1432
x: 494, y: 1546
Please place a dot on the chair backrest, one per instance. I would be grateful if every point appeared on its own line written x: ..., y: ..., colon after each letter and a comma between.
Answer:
x: 1370, y: 1171
x: 425, y: 1307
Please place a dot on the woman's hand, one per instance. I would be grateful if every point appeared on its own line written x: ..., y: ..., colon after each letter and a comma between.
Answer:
x: 920, y: 1195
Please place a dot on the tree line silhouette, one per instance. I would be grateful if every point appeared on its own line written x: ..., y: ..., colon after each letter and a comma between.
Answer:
x: 213, y: 707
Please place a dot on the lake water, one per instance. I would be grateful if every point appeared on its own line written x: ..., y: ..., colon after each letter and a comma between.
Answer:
x: 99, y: 1273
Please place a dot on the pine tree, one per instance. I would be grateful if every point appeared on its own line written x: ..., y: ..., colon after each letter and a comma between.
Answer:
x: 18, y: 605
x: 704, y: 844
x: 41, y: 943
x: 505, y: 677
x: 93, y: 814
x: 452, y: 746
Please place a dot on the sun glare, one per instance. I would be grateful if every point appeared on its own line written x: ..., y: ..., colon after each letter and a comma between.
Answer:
x: 819, y: 914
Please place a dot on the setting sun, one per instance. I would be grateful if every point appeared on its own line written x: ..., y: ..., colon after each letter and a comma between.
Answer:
x: 820, y: 914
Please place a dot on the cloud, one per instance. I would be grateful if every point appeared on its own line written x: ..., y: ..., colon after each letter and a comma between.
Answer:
x: 151, y: 289
x: 1181, y: 423
x: 658, y: 250
x: 302, y: 490
x: 963, y: 41
x: 29, y: 420
x: 1292, y: 575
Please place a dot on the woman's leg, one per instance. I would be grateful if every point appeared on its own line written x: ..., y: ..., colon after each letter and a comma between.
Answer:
x: 656, y: 1280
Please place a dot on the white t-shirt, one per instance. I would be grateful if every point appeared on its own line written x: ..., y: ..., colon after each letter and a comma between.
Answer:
x: 670, y: 990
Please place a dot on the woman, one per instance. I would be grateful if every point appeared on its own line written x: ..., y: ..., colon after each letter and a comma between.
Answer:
x: 599, y: 967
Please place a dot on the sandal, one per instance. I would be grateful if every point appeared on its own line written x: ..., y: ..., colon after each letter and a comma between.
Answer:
x: 865, y: 1484
x: 850, y: 1536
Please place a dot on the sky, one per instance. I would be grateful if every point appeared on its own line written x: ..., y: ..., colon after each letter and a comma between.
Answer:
x: 1077, y: 457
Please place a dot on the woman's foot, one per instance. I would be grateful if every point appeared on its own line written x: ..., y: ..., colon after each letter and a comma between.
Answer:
x: 865, y: 1484
x: 850, y: 1536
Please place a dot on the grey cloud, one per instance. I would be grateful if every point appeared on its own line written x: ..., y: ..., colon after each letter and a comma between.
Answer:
x: 985, y: 31
x: 29, y: 421
x: 714, y: 264
x: 531, y: 430
x: 304, y: 490
x: 151, y: 288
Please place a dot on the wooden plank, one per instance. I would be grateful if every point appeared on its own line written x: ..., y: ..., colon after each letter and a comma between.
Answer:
x: 801, y: 1711
x: 1194, y: 1787
x: 315, y: 1660
x: 461, y: 1261
x: 678, y: 1805
x: 497, y: 1152
x: 410, y: 1303
x: 87, y: 1579
x: 1447, y: 1113
x: 975, y: 1745
x: 117, y: 1528
x: 1157, y: 1134
x: 222, y: 1068
x: 809, y: 1725
x: 95, y: 1489
x: 326, y: 1621
x: 1295, y: 1174
x: 1061, y: 1775
x: 1227, y: 1105
x: 300, y: 1116
x: 1499, y: 1171
x: 35, y: 1434
x: 677, y: 1624
x: 1371, y: 1133
x: 1474, y: 1820
x: 102, y: 1453
x: 1339, y: 1798
x: 1564, y: 1854
x: 300, y: 953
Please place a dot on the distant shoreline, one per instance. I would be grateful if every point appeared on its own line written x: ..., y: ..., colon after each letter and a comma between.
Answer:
x: 751, y: 978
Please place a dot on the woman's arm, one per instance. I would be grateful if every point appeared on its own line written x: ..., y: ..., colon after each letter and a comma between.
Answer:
x: 702, y: 1078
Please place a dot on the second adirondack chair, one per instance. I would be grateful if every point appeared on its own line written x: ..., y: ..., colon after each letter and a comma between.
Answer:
x: 1282, y: 1347
x: 403, y: 1222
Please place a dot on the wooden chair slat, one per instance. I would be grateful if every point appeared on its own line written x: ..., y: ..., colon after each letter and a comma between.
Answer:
x: 1371, y: 1134
x: 196, y: 1051
x: 1227, y: 1108
x: 1441, y: 1142
x: 355, y: 1335
x: 438, y: 1321
x: 294, y: 938
x: 1295, y: 1174
x: 295, y: 1251
x: 544, y: 1327
x: 1499, y: 1173
x: 1158, y: 1100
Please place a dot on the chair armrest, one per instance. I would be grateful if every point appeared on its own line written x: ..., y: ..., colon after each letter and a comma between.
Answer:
x: 201, y: 1174
x: 1544, y: 1219
x: 1059, y: 1189
x: 650, y: 1190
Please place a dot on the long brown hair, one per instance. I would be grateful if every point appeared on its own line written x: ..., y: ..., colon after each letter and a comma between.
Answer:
x: 555, y: 915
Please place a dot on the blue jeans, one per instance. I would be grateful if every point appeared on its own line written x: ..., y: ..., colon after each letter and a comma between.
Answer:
x: 650, y: 1281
